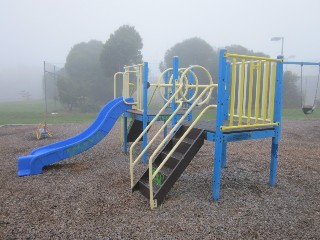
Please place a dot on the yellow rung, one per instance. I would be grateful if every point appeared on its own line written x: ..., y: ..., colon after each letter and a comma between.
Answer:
x: 273, y: 84
x: 265, y: 90
x: 257, y: 100
x: 241, y: 90
x: 224, y: 128
x: 233, y: 89
x: 250, y: 91
x: 252, y: 57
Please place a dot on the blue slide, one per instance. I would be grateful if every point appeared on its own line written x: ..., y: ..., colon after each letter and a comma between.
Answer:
x: 40, y: 157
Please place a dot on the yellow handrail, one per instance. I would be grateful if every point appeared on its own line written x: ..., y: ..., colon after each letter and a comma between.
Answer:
x: 231, y: 55
x: 126, y: 84
x: 152, y: 173
x: 133, y: 163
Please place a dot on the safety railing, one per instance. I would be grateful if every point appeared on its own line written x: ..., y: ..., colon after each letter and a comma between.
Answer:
x: 134, y: 162
x: 153, y: 172
x: 252, y: 91
x: 126, y: 84
x: 182, y: 97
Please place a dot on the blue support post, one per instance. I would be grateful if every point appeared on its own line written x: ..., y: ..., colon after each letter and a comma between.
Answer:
x: 166, y: 95
x: 190, y: 93
x: 125, y: 134
x: 175, y: 73
x: 277, y: 118
x: 224, y: 155
x: 145, y: 108
x: 226, y: 111
x: 219, y: 148
x: 227, y: 93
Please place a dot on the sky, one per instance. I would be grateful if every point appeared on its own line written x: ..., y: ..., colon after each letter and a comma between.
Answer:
x: 33, y: 31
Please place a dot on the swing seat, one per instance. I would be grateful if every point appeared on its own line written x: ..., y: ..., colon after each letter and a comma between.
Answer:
x: 307, y: 109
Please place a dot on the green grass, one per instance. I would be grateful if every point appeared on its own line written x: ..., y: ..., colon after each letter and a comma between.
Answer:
x: 33, y: 112
x: 296, y: 113
x: 287, y: 113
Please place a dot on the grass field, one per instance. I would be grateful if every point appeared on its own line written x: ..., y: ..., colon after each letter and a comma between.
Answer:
x: 33, y: 112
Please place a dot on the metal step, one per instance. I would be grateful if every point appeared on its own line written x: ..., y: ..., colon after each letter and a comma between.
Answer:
x: 175, y: 165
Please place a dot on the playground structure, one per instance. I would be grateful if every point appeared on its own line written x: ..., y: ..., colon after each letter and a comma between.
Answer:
x: 306, y: 108
x: 248, y: 106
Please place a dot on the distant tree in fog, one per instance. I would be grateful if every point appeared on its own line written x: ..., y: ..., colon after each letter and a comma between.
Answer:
x: 238, y: 49
x: 291, y: 94
x: 84, y: 75
x: 193, y: 51
x: 122, y: 48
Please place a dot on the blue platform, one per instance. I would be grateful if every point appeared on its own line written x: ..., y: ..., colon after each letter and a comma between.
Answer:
x: 107, y: 117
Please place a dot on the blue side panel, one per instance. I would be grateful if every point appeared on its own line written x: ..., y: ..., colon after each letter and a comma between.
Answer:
x: 38, y: 158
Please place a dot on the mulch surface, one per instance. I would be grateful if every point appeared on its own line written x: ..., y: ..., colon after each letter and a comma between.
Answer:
x: 88, y: 196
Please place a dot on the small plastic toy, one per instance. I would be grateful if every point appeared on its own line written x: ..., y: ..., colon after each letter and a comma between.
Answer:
x: 42, y: 131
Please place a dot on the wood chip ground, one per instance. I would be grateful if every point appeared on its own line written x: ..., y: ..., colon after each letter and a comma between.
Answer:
x: 89, y: 195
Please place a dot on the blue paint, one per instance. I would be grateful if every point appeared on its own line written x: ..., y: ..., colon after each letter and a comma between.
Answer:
x: 190, y: 93
x: 43, y: 156
x: 224, y: 155
x: 273, y: 163
x: 233, y: 137
x: 219, y: 122
x: 222, y: 138
x: 175, y: 73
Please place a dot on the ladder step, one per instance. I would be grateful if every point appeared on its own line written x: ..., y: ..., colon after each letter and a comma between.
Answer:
x: 176, y: 155
x: 185, y: 140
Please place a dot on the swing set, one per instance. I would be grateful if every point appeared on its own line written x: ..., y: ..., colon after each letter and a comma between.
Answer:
x: 306, y: 108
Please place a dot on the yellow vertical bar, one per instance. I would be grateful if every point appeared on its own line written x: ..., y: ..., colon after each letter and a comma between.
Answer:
x: 265, y: 90
x: 233, y: 87
x: 241, y: 91
x: 250, y: 91
x: 238, y: 88
x: 257, y: 100
x: 273, y: 84
x: 245, y: 94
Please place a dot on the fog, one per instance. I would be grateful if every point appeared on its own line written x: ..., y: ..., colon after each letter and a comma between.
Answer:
x: 34, y: 31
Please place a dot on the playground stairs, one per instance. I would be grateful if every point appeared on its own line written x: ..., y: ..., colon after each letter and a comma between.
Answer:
x: 175, y: 165
x: 134, y: 130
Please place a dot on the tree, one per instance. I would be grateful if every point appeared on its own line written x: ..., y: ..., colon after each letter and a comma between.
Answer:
x: 122, y: 48
x: 193, y: 51
x: 238, y: 49
x: 84, y: 77
x: 291, y: 95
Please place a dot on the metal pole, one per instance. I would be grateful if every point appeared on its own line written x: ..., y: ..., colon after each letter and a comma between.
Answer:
x: 54, y: 88
x: 45, y: 86
x: 282, y: 46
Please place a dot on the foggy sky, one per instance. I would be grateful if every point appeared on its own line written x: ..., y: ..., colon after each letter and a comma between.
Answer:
x: 36, y: 30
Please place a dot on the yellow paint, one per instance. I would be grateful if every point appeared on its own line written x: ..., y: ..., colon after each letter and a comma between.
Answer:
x: 224, y: 128
x: 252, y: 57
x: 233, y: 90
x: 257, y: 99
x: 152, y: 172
x: 250, y: 91
x: 273, y: 84
x: 241, y: 90
x: 265, y: 90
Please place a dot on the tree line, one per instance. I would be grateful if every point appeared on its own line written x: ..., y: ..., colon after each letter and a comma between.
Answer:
x: 86, y: 81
